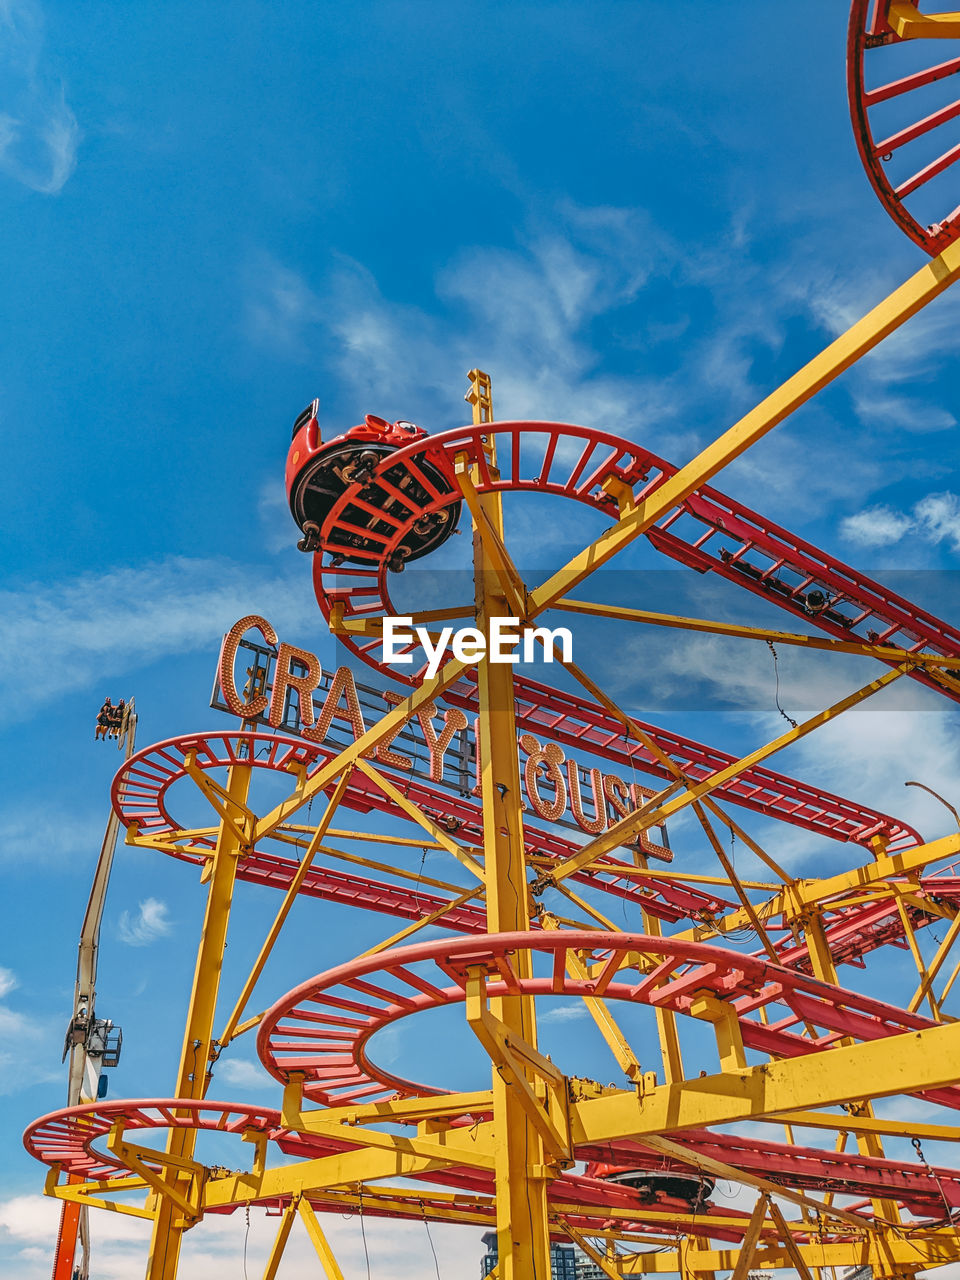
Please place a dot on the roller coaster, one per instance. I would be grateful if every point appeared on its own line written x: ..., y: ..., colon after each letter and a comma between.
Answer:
x: 532, y: 791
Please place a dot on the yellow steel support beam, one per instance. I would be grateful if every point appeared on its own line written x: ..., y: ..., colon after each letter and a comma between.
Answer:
x: 226, y: 807
x: 280, y: 1240
x: 607, y: 1025
x: 522, y: 1174
x: 934, y: 967
x: 195, y: 1056
x: 659, y: 810
x: 794, y: 899
x: 179, y: 1185
x: 912, y: 296
x: 584, y: 1245
x: 887, y: 1254
x: 441, y: 1147
x: 750, y: 1238
x: 910, y: 24
x: 424, y: 820
x: 786, y: 1235
x: 912, y: 1062
x: 667, y: 1034
x: 480, y: 396
x: 511, y: 584
x: 734, y: 881
x: 403, y: 1110
x: 914, y: 946
x: 422, y: 923
x: 283, y: 911
x: 362, y: 1165
x: 722, y: 1170
x: 870, y: 1124
x: 320, y: 1242
x: 373, y: 864
x: 640, y: 735
x: 883, y: 652
x: 514, y: 1060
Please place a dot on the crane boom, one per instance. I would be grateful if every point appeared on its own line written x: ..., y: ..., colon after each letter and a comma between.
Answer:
x: 91, y: 1042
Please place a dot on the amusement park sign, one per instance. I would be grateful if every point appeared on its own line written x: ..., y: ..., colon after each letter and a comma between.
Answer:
x: 286, y: 687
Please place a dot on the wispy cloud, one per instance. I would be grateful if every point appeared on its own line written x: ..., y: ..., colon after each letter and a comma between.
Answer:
x: 152, y: 921
x: 34, y: 835
x: 526, y: 313
x: 39, y: 134
x: 934, y: 519
x: 587, y: 318
x: 26, y: 1043
x: 564, y: 1013
x: 68, y: 633
x: 243, y: 1073
x: 222, y: 1244
x: 280, y: 307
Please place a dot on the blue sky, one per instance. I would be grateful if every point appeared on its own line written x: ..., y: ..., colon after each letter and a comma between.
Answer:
x: 213, y: 213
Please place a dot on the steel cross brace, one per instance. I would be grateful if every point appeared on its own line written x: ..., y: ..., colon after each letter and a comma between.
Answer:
x: 139, y: 1160
x: 513, y: 1058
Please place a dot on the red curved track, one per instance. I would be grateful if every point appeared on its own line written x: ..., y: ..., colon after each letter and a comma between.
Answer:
x: 322, y: 1027
x: 903, y: 126
x: 75, y: 1138
x: 707, y: 532
x: 141, y: 797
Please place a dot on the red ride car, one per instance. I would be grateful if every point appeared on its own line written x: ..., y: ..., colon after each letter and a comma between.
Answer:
x: 318, y: 472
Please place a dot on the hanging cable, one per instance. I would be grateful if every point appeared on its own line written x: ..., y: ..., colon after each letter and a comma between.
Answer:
x: 363, y: 1235
x: 426, y: 1223
x: 776, y: 672
x: 915, y: 1143
x: 246, y: 1237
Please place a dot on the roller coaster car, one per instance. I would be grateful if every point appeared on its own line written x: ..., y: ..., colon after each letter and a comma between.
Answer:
x: 318, y: 472
x: 658, y: 1186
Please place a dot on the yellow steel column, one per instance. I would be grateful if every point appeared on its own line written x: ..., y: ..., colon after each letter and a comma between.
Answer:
x: 195, y: 1056
x: 824, y: 968
x: 523, y: 1242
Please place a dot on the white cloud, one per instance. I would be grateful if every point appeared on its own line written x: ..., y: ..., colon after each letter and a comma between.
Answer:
x: 280, y: 306
x: 934, y: 519
x: 870, y: 755
x: 39, y: 134
x: 243, y: 1073
x: 560, y: 323
x: 875, y: 527
x: 528, y: 323
x: 37, y: 835
x: 938, y: 518
x: 150, y: 923
x: 26, y: 1044
x: 564, y: 1013
x: 67, y: 634
x: 28, y: 1228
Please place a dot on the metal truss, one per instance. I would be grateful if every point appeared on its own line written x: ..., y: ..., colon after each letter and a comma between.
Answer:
x: 739, y: 974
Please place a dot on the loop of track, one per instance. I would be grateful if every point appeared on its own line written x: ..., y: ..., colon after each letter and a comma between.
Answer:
x: 75, y: 1139
x: 141, y: 787
x: 140, y: 798
x: 553, y: 458
x: 322, y: 1027
x: 869, y: 37
x: 67, y: 1137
